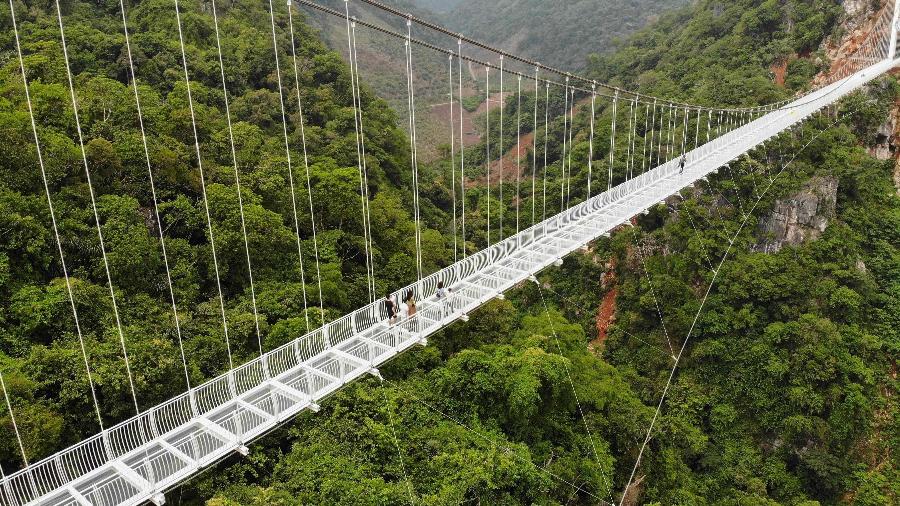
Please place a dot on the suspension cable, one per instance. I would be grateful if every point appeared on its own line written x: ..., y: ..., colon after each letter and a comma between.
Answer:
x: 591, y: 139
x: 12, y: 417
x: 359, y: 154
x: 487, y: 146
x: 612, y: 142
x: 87, y: 173
x: 697, y: 131
x: 518, y: 148
x: 162, y: 242
x: 212, y: 241
x: 435, y: 27
x: 644, y: 138
x: 546, y: 132
x: 312, y: 214
x: 630, y: 137
x: 462, y: 148
x: 367, y: 223
x: 501, y: 150
x: 237, y: 180
x: 562, y: 179
x: 569, y: 161
x: 62, y: 258
x: 453, y: 159
x: 413, y: 151
x: 534, y: 148
x: 652, y: 136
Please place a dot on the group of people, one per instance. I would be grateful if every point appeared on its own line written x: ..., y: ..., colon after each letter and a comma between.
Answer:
x: 407, y: 308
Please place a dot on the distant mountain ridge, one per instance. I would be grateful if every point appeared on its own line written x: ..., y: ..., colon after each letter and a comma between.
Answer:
x: 563, y: 34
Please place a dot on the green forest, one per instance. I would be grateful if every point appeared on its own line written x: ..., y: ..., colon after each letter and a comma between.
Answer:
x: 787, y: 390
x: 561, y: 34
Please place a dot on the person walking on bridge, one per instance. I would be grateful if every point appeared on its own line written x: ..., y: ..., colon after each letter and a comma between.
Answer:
x: 681, y: 163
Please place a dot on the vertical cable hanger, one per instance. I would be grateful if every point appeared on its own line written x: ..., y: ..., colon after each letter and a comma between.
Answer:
x: 487, y: 145
x: 367, y: 223
x: 629, y: 144
x: 546, y: 132
x: 501, y: 150
x: 414, y: 162
x: 569, y: 161
x: 462, y: 149
x: 151, y: 179
x: 312, y: 213
x: 644, y: 138
x: 453, y: 160
x: 562, y: 173
x: 518, y: 147
x: 612, y: 141
x: 591, y: 139
x: 697, y: 130
x: 87, y: 173
x: 237, y: 181
x: 53, y: 222
x: 360, y: 156
x: 652, y: 136
x: 534, y: 149
x: 230, y: 378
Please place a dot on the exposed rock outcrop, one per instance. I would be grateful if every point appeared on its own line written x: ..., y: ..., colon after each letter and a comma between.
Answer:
x: 799, y: 217
x: 884, y: 148
x: 897, y: 176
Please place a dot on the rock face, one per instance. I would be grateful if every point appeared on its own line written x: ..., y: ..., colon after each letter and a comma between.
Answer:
x: 800, y: 217
x: 883, y: 147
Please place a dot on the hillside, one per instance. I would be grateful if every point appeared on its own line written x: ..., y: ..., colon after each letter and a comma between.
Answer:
x: 562, y: 34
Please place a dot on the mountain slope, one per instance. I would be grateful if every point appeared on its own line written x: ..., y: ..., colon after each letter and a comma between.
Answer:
x: 561, y: 34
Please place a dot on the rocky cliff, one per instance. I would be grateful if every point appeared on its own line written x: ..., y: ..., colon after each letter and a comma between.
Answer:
x: 799, y: 217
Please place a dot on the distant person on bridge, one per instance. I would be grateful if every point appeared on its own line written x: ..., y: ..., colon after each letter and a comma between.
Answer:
x: 443, y: 295
x: 681, y: 163
x: 410, y: 300
x: 391, y: 308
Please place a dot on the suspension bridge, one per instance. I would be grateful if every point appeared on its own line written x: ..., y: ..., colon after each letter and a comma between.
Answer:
x: 139, y: 459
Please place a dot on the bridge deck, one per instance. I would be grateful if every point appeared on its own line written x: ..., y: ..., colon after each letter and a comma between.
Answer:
x: 138, y: 459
